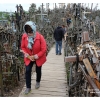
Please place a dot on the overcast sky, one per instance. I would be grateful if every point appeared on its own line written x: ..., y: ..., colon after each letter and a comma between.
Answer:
x: 10, y: 5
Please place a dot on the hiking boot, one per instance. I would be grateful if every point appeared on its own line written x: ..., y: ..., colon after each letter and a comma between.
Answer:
x: 27, y: 90
x: 37, y: 85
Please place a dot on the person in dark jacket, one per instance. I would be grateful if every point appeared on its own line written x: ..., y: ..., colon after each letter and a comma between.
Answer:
x: 68, y: 21
x: 58, y: 35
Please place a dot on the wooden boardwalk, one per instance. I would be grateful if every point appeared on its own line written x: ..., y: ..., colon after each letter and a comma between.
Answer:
x: 53, y: 80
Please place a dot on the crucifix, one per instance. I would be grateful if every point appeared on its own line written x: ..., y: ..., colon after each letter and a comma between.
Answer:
x: 61, y: 5
x: 42, y: 13
x: 83, y: 14
x: 86, y: 12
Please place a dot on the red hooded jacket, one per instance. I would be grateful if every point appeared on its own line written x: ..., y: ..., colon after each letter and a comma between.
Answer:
x: 39, y: 48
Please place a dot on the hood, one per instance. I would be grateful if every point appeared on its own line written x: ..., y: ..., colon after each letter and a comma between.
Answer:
x: 32, y: 25
x: 59, y: 27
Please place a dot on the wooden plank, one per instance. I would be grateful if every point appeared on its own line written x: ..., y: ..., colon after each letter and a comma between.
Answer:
x: 57, y: 69
x: 57, y: 76
x: 91, y: 72
x: 50, y: 85
x: 53, y: 80
x: 52, y: 77
x: 73, y: 58
x: 51, y: 89
x: 53, y: 71
x: 33, y: 92
x: 89, y: 68
x: 42, y: 95
x: 55, y: 61
x: 53, y: 66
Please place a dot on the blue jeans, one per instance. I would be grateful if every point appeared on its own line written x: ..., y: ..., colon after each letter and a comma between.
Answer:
x: 58, y: 47
x: 28, y: 74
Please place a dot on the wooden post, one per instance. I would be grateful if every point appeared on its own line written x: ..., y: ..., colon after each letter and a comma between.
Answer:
x: 95, y: 51
x: 42, y: 12
x: 72, y: 58
x: 91, y: 6
x: 1, y: 79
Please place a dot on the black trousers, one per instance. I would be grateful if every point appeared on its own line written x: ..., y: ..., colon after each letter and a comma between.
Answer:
x: 28, y: 74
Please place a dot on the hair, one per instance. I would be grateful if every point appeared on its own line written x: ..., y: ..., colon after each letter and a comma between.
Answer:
x: 28, y: 29
x: 63, y: 25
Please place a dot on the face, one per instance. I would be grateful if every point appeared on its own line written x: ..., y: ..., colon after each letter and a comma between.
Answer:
x: 30, y: 34
x: 29, y: 31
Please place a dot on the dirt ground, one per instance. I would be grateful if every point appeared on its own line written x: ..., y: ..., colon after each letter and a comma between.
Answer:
x: 16, y: 91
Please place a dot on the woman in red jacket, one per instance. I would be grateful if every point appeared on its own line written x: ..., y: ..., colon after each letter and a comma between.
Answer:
x: 33, y: 45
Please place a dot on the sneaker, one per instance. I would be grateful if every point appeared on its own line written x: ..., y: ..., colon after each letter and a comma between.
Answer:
x: 37, y: 85
x: 60, y: 53
x: 27, y: 90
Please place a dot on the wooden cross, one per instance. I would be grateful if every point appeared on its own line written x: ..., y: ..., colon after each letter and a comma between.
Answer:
x: 61, y: 5
x: 63, y: 19
x: 95, y: 51
x: 41, y: 13
x: 86, y: 13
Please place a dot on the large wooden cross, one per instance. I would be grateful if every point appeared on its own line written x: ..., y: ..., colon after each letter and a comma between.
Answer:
x: 41, y: 13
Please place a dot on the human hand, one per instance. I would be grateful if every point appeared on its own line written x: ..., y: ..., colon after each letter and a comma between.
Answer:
x: 31, y: 58
x: 26, y: 55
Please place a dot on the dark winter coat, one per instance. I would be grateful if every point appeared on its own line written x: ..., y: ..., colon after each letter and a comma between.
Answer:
x: 58, y: 33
